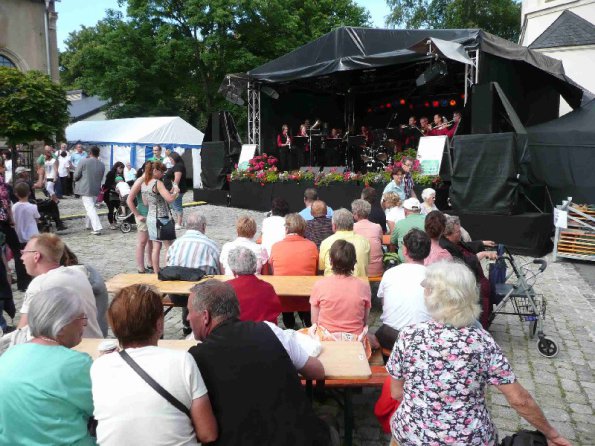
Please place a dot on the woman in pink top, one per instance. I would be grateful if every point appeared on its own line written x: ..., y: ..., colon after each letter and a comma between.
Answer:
x: 434, y: 227
x: 340, y: 304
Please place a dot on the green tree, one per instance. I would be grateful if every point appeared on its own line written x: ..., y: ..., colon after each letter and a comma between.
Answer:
x: 32, y: 107
x: 170, y: 56
x: 500, y: 17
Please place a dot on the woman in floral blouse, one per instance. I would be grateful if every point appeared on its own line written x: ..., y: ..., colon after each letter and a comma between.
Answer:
x: 440, y: 369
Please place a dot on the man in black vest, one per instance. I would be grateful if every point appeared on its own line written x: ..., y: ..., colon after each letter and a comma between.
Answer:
x: 251, y: 373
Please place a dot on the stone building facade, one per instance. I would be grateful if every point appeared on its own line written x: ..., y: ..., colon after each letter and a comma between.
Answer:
x: 28, y: 36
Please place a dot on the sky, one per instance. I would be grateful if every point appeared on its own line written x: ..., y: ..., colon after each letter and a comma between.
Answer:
x: 74, y: 13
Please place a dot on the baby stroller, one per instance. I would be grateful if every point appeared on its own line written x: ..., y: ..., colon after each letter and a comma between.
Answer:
x: 516, y: 296
x: 123, y: 216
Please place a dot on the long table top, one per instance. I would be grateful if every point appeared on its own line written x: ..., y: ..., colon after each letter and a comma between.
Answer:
x: 284, y: 285
x: 341, y: 360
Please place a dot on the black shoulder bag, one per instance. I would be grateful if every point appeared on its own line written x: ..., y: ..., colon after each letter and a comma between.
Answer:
x: 167, y: 231
x: 154, y: 384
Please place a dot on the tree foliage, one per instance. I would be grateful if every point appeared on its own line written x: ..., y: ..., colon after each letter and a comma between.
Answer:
x: 500, y: 17
x: 170, y: 56
x: 32, y: 107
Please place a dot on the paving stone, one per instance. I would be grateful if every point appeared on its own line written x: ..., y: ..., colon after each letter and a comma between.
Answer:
x: 581, y: 408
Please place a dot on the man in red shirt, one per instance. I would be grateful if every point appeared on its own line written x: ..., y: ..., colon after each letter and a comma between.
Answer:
x: 257, y: 298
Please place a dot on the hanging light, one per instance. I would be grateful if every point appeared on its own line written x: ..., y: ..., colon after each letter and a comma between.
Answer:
x: 426, y: 104
x: 453, y: 103
x: 402, y: 102
x: 444, y: 103
x: 435, y: 104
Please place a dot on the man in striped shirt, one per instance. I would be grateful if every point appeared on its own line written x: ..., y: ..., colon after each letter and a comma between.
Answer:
x: 193, y: 250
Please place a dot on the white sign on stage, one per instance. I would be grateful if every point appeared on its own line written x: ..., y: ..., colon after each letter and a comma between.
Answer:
x: 429, y: 153
x: 247, y: 153
x: 560, y: 219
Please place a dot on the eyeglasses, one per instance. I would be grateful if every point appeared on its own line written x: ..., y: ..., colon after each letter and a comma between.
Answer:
x: 23, y: 251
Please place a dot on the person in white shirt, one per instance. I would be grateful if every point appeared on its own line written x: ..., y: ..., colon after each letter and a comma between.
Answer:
x: 127, y: 409
x: 273, y: 227
x: 41, y: 257
x: 7, y: 166
x: 64, y: 166
x: 401, y: 291
x: 129, y: 173
x: 246, y: 229
x: 24, y: 214
x: 123, y: 189
x: 393, y: 209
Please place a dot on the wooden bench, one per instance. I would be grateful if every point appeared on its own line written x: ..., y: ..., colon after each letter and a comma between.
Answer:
x: 377, y: 379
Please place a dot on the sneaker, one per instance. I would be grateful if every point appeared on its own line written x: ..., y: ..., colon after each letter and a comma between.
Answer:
x: 178, y: 227
x: 95, y: 232
x: 61, y: 227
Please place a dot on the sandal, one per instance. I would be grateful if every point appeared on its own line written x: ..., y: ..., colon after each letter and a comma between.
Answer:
x: 141, y: 272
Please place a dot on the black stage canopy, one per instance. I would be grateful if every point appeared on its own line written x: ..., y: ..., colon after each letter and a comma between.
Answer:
x: 562, y: 155
x: 350, y: 48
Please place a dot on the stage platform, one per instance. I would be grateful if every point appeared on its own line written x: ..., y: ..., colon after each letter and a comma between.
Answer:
x: 524, y: 234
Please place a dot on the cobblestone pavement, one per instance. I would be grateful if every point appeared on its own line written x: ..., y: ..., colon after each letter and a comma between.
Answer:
x: 563, y: 386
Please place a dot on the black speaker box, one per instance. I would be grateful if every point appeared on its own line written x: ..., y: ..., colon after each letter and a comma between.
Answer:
x: 213, y: 164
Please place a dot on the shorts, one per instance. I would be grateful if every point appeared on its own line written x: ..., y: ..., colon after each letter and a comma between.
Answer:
x: 176, y: 206
x: 50, y: 187
x: 141, y: 225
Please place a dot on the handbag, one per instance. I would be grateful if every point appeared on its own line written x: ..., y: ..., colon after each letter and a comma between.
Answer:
x: 154, y: 384
x: 525, y: 438
x: 101, y: 194
x: 180, y: 273
x: 166, y: 229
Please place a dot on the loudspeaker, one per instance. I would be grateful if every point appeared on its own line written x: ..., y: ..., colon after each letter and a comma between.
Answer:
x: 213, y: 165
x: 438, y: 69
x: 482, y: 109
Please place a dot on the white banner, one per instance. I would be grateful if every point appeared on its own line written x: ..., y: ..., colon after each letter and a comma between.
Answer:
x: 429, y: 153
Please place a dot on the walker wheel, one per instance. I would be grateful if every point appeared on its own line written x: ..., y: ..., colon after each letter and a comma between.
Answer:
x: 547, y: 347
x: 125, y: 227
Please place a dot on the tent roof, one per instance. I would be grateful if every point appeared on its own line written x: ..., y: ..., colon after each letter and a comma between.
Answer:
x: 159, y: 130
x: 574, y: 128
x: 350, y: 48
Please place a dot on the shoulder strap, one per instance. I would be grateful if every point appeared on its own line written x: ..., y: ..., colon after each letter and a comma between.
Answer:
x: 154, y: 384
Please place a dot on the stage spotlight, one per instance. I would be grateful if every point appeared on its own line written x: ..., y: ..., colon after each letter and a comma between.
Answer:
x: 381, y: 106
x: 426, y: 104
x: 435, y: 104
x: 462, y: 95
x: 370, y: 110
x: 269, y: 92
x: 389, y: 105
x: 453, y: 102
x: 444, y: 103
x: 411, y: 106
x: 434, y: 71
x: 402, y: 102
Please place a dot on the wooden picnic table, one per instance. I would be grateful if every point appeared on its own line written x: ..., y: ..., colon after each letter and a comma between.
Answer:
x: 293, y: 291
x: 341, y: 360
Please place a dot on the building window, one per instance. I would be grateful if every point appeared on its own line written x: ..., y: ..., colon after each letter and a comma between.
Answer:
x: 6, y: 62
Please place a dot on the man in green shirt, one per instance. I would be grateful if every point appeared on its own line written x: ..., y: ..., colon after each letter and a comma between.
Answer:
x: 413, y: 219
x: 156, y: 154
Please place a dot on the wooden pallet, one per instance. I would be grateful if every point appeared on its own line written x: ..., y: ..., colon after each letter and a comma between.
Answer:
x: 577, y: 242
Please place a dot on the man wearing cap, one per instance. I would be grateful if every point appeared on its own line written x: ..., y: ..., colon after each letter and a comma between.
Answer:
x: 413, y: 219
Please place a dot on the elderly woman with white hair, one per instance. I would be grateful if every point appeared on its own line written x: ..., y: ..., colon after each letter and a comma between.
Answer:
x: 440, y: 369
x: 429, y: 201
x: 45, y: 397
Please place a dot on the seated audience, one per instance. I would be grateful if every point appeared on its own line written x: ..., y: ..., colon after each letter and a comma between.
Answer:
x: 294, y: 256
x: 343, y: 227
x: 377, y: 215
x: 393, y: 209
x: 257, y: 298
x: 340, y: 303
x: 45, y: 396
x: 127, y: 409
x: 251, y: 372
x: 310, y: 196
x: 453, y: 405
x: 246, y: 229
x: 273, y: 227
x: 413, y: 219
x: 321, y: 226
x: 434, y: 227
x: 400, y: 290
x: 471, y: 253
x: 372, y: 232
x: 97, y: 283
x: 193, y: 250
x: 42, y: 256
x: 429, y: 201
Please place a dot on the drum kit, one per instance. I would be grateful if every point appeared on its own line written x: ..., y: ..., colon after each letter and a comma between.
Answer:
x: 379, y: 154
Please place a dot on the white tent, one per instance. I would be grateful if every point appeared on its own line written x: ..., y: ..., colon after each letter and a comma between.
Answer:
x: 132, y: 139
